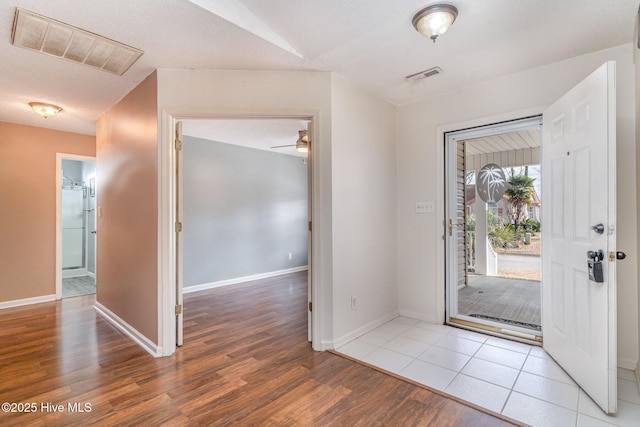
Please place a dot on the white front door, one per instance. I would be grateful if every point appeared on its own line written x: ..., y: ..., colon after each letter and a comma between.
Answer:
x: 579, y: 188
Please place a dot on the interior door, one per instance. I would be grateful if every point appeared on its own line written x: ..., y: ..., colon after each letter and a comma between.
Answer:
x: 578, y: 178
x: 309, y: 206
x: 179, y: 267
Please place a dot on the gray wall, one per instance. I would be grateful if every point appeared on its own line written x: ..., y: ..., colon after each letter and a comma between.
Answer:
x: 245, y: 210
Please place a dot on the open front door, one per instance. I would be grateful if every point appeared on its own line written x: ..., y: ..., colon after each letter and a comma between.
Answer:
x: 178, y: 229
x: 579, y: 181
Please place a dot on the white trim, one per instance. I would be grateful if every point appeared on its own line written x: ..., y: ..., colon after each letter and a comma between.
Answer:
x: 27, y: 301
x: 364, y: 329
x: 90, y: 274
x: 220, y: 283
x: 422, y: 317
x: 128, y: 330
x: 627, y: 364
x: 75, y: 272
x: 58, y: 190
x: 167, y: 214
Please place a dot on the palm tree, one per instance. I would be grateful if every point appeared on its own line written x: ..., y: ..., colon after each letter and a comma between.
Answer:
x: 520, y: 193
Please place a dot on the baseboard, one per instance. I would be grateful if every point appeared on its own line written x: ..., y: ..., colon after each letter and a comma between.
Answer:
x: 75, y: 272
x: 630, y: 365
x: 364, y: 329
x: 205, y: 286
x: 90, y: 274
x: 130, y: 331
x: 418, y: 316
x: 27, y: 301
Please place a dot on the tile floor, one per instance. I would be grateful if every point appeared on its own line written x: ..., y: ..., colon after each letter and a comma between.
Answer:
x: 511, y: 378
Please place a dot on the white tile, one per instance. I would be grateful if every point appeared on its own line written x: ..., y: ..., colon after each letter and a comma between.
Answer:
x: 628, y: 413
x: 460, y: 345
x: 428, y: 374
x: 406, y: 346
x: 405, y: 320
x: 626, y: 374
x: 443, y: 329
x: 376, y: 338
x: 628, y: 391
x: 551, y: 391
x: 393, y: 328
x: 587, y: 421
x: 493, y: 373
x: 539, y: 352
x: 536, y: 412
x: 547, y: 368
x: 357, y: 349
x: 423, y: 335
x: 470, y: 335
x: 510, y: 345
x: 502, y: 356
x: 479, y: 392
x: 388, y: 360
x: 445, y: 358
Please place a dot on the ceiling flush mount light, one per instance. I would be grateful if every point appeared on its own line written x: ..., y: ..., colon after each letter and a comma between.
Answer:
x: 45, y: 110
x: 434, y: 21
x: 302, y: 144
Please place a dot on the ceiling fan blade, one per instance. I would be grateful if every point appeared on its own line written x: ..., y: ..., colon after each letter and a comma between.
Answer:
x: 282, y: 146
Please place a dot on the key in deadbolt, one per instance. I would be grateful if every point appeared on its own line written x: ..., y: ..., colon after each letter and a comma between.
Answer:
x: 594, y: 266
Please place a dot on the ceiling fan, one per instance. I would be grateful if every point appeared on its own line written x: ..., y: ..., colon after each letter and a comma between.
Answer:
x: 302, y: 144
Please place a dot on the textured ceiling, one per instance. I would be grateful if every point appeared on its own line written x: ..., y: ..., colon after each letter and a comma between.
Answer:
x: 369, y: 42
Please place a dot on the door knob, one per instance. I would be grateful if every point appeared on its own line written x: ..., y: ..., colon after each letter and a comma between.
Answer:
x: 598, y: 228
x: 451, y: 225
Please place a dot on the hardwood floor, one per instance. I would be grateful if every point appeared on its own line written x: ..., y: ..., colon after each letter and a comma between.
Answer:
x: 245, y: 361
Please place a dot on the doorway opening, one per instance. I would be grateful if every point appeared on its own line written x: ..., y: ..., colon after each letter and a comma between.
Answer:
x: 493, y: 235
x: 76, y: 226
x: 243, y: 204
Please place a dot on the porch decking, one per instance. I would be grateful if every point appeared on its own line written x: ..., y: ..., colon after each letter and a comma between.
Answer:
x: 514, y: 300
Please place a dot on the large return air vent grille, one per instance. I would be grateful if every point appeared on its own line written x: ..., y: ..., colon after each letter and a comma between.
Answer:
x: 42, y: 34
x: 424, y: 74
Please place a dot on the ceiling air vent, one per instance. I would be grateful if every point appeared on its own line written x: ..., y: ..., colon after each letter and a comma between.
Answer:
x: 42, y: 34
x: 424, y: 74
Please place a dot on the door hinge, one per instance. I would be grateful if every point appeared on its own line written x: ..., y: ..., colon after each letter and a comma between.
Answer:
x: 178, y: 309
x: 178, y: 144
x: 178, y: 227
x: 310, y: 306
x: 309, y: 225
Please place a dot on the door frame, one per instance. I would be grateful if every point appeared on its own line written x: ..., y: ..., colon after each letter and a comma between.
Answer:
x: 441, y: 132
x: 167, y: 213
x: 59, y: 158
x: 451, y: 140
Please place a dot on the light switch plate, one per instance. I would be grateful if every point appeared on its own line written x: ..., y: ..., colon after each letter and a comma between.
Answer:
x: 424, y: 207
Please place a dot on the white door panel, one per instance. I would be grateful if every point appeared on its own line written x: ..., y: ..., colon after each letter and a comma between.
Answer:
x: 578, y: 158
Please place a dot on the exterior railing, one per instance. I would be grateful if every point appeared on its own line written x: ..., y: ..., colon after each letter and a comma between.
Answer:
x: 471, y: 251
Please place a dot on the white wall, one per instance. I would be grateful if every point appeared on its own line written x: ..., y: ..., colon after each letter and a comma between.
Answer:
x: 636, y: 57
x: 420, y: 176
x: 364, y: 213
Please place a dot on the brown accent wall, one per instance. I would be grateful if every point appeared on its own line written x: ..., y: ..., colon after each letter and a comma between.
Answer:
x: 28, y: 206
x: 127, y: 200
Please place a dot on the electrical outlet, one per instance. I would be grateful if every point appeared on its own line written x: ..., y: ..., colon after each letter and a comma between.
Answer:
x: 354, y: 302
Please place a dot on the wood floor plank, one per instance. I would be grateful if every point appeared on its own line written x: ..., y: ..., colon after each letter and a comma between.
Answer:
x: 245, y: 361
